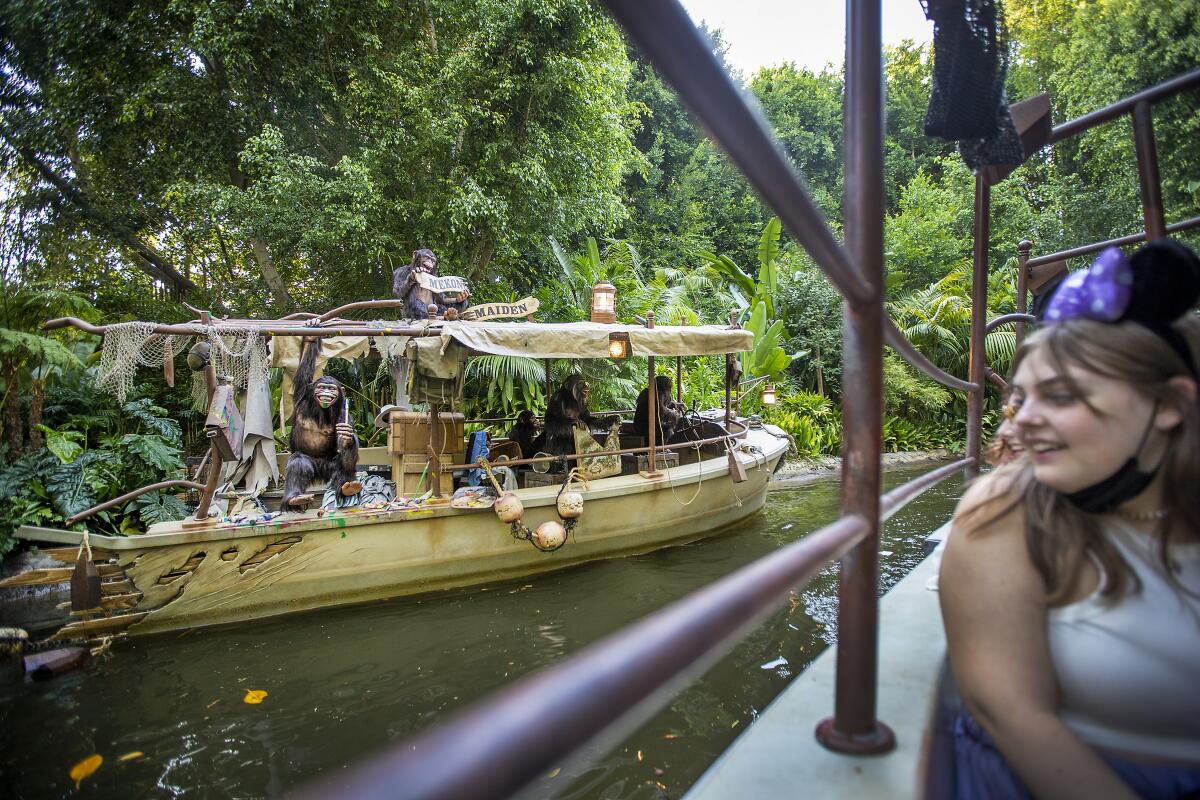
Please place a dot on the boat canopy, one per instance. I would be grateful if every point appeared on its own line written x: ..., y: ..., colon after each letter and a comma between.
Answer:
x: 591, y: 339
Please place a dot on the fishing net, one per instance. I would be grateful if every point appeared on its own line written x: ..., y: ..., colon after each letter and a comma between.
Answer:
x: 967, y: 103
x: 239, y: 355
x: 128, y: 345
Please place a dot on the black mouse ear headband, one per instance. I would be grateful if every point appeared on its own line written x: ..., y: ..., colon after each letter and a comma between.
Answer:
x: 1155, y: 286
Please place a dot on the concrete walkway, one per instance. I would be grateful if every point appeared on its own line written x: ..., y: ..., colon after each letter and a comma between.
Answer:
x: 778, y: 756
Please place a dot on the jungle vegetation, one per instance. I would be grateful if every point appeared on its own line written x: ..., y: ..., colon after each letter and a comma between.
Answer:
x: 263, y: 158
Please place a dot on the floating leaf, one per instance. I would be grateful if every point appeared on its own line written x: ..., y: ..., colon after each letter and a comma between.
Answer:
x: 85, y: 768
x: 554, y: 772
x: 130, y: 756
x: 254, y: 696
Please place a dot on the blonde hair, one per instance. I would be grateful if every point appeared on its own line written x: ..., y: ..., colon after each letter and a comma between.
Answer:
x: 1059, y: 537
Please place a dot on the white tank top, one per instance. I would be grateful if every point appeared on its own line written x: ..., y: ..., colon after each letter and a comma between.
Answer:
x: 1129, y: 673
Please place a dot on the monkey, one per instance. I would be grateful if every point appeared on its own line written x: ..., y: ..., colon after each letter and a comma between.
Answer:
x: 524, y: 432
x: 669, y: 411
x: 417, y: 298
x: 568, y: 409
x: 322, y: 445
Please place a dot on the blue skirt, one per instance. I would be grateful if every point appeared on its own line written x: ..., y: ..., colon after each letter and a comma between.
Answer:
x: 982, y: 773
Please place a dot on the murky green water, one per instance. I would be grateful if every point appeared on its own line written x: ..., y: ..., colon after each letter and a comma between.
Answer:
x: 344, y: 682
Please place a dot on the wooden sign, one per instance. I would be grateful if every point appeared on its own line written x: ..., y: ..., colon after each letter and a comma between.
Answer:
x: 521, y: 308
x: 442, y: 284
x: 226, y: 421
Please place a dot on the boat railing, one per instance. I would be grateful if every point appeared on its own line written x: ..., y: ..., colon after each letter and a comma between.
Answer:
x: 729, y: 437
x: 1139, y: 108
x: 520, y: 732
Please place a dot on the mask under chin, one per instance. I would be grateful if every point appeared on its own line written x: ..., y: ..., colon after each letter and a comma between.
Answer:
x: 1103, y: 496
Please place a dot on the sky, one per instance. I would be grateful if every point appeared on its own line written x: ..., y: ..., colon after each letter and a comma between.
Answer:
x: 808, y: 32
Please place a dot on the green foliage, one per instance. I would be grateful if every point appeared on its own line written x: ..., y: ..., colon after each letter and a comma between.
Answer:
x: 813, y: 422
x: 89, y: 458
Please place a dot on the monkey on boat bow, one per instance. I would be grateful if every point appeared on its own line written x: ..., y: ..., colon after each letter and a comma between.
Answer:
x: 322, y: 443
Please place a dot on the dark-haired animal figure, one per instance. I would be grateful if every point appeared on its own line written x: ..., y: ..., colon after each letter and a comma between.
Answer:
x: 417, y: 299
x: 323, y: 446
x: 669, y: 411
x: 568, y: 409
x: 524, y: 432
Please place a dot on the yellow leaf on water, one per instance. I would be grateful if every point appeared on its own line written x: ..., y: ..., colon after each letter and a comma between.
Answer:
x: 552, y: 773
x: 130, y: 756
x: 639, y: 755
x: 254, y: 696
x: 85, y: 768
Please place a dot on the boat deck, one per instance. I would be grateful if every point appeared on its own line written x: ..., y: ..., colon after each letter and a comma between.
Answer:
x: 779, y: 753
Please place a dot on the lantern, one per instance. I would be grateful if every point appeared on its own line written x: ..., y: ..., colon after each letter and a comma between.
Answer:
x: 618, y: 345
x: 604, y: 302
x: 768, y: 395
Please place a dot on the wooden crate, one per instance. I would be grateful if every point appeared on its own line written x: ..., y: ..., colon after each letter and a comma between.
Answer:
x: 640, y: 462
x: 408, y: 433
x: 407, y: 469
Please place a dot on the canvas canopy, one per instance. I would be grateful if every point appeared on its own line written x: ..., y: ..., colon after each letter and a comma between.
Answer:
x: 590, y: 339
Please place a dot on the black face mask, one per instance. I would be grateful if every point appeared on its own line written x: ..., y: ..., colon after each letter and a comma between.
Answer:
x: 1125, y: 484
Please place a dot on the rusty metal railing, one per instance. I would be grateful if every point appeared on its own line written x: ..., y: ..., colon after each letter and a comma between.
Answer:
x: 522, y: 731
x: 1139, y: 106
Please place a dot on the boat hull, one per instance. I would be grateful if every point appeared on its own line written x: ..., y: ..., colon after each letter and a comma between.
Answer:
x: 174, y: 577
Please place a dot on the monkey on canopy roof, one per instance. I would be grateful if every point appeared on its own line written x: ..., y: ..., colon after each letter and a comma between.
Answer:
x: 417, y: 298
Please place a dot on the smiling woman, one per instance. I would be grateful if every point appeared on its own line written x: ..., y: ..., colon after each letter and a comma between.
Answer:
x: 1071, y: 585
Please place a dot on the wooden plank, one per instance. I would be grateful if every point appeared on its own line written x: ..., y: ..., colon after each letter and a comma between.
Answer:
x: 96, y: 627
x: 113, y: 602
x: 116, y: 587
x: 38, y: 577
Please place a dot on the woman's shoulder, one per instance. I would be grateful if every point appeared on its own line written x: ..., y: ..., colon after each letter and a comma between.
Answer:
x: 987, y: 532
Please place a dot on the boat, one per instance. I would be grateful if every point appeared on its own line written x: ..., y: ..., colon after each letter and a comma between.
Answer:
x: 207, y: 570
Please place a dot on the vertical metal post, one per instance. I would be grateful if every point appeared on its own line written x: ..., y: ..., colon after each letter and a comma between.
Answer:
x: 678, y: 379
x: 1023, y: 250
x: 1147, y: 163
x: 853, y: 727
x: 976, y: 370
x: 652, y: 408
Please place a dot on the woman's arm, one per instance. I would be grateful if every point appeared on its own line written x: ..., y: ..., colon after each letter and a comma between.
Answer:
x: 993, y: 606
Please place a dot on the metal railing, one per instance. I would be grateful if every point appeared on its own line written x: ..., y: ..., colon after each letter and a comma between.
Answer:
x: 498, y: 746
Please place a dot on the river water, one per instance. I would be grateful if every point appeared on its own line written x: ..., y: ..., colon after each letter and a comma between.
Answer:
x: 344, y: 682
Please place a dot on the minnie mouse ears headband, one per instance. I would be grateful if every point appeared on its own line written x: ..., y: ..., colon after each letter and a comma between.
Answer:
x: 1155, y: 286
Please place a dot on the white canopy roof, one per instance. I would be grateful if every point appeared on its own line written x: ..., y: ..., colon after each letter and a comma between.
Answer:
x: 591, y: 339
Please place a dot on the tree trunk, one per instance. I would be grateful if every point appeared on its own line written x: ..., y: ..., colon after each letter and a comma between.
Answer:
x: 12, y: 410
x: 486, y: 249
x: 283, y: 300
x: 37, y: 399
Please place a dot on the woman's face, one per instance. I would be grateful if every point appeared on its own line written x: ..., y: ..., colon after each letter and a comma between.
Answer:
x: 1072, y: 445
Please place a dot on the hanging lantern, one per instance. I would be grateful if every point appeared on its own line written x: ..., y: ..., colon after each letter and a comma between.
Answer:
x: 768, y: 395
x: 604, y: 302
x: 618, y: 345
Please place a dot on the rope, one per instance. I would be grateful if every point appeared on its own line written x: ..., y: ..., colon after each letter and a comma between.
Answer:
x: 699, y: 483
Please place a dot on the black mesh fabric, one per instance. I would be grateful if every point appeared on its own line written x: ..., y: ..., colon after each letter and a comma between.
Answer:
x: 967, y: 103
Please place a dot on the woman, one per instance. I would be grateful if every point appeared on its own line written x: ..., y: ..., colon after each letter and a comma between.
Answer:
x: 1070, y: 587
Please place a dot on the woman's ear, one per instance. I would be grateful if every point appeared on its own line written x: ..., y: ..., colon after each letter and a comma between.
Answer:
x: 1184, y: 393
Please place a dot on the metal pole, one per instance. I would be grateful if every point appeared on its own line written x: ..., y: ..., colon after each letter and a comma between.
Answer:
x: 1023, y: 250
x: 853, y: 727
x: 652, y: 407
x: 1147, y: 163
x: 978, y: 363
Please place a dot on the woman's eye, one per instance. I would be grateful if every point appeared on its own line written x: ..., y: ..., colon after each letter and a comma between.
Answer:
x: 1060, y: 399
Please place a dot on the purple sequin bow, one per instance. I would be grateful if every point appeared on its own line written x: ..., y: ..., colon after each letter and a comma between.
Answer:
x: 1099, y: 293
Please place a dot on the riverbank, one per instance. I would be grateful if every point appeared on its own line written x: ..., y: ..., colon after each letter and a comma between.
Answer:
x: 801, y: 471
